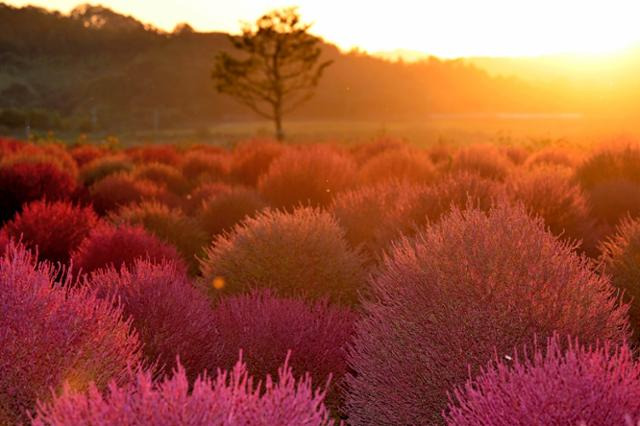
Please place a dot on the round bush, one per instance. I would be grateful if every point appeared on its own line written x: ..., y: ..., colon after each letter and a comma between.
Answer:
x: 170, y: 225
x: 232, y: 399
x: 108, y: 245
x: 614, y: 162
x: 363, y: 152
x: 21, y: 183
x: 303, y: 252
x: 204, y: 192
x: 620, y: 255
x: 201, y: 166
x: 252, y: 159
x: 467, y: 287
x: 306, y: 176
x: 54, y: 229
x: 84, y: 154
x: 163, y: 154
x: 50, y: 334
x: 225, y: 210
x: 612, y: 200
x: 101, y: 167
x: 266, y: 327
x: 404, y: 165
x: 170, y: 315
x: 162, y: 175
x: 485, y: 160
x: 516, y: 154
x: 552, y: 386
x: 121, y: 189
x: 554, y: 156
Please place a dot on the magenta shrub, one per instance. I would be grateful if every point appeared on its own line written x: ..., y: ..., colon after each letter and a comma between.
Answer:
x: 552, y: 386
x: 468, y: 286
x: 171, y: 316
x: 231, y: 399
x: 117, y: 190
x: 303, y: 252
x: 53, y: 229
x: 308, y: 176
x: 50, y: 334
x: 108, y: 245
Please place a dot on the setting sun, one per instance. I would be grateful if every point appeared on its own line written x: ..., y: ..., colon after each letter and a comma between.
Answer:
x: 447, y: 29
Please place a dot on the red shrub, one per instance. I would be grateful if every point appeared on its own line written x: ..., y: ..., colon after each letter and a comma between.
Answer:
x: 363, y: 152
x: 516, y: 154
x: 204, y: 192
x: 50, y: 334
x: 581, y: 385
x: 9, y: 146
x: 84, y: 154
x: 104, y: 166
x: 232, y: 399
x: 225, y: 210
x: 55, y: 229
x: 404, y: 165
x: 162, y: 175
x: 117, y: 190
x: 266, y: 327
x: 21, y: 183
x: 485, y: 160
x: 116, y: 246
x: 252, y: 159
x: 171, y: 316
x: 549, y: 192
x: 199, y: 166
x: 612, y: 200
x: 611, y: 163
x: 164, y: 154
x: 472, y: 284
x: 554, y: 156
x: 303, y: 252
x: 307, y: 176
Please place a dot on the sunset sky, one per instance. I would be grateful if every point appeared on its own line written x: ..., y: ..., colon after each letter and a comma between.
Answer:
x: 449, y: 28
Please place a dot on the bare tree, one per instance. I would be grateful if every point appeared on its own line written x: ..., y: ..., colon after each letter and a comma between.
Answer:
x: 279, y: 68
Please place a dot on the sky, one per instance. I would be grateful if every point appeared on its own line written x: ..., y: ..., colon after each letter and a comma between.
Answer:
x: 446, y: 28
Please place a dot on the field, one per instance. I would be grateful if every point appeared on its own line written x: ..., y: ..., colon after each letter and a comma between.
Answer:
x: 474, y: 270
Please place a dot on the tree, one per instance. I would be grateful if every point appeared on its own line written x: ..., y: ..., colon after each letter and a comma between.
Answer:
x: 279, y: 69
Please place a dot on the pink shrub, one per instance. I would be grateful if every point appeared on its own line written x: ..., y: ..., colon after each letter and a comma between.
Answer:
x: 53, y: 229
x: 200, y: 166
x: 468, y: 286
x: 224, y: 211
x: 551, y: 386
x: 232, y: 399
x: 204, y: 192
x: 307, y: 176
x: 108, y: 245
x: 485, y: 160
x: 170, y: 315
x: 265, y: 327
x: 404, y: 165
x: 252, y: 159
x: 50, y: 334
x: 303, y: 252
x: 120, y: 189
x: 24, y: 182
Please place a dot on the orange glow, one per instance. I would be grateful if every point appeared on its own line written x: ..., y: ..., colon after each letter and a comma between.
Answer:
x: 218, y: 283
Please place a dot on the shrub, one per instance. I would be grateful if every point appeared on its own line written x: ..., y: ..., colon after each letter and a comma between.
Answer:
x: 312, y: 175
x: 231, y: 399
x: 554, y: 156
x: 53, y: 229
x: 163, y: 154
x: 21, y: 183
x: 102, y: 167
x: 467, y: 287
x: 552, y: 386
x: 616, y: 162
x: 201, y: 166
x: 48, y: 153
x: 170, y: 315
x: 121, y: 189
x: 485, y: 160
x: 162, y: 175
x: 364, y: 152
x: 620, y: 255
x: 252, y: 159
x: 225, y: 210
x: 549, y: 192
x: 612, y: 200
x: 51, y: 334
x: 291, y: 253
x: 170, y: 225
x: 265, y: 327
x: 404, y: 165
x: 84, y: 154
x: 516, y: 154
x: 204, y: 192
x: 108, y: 245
